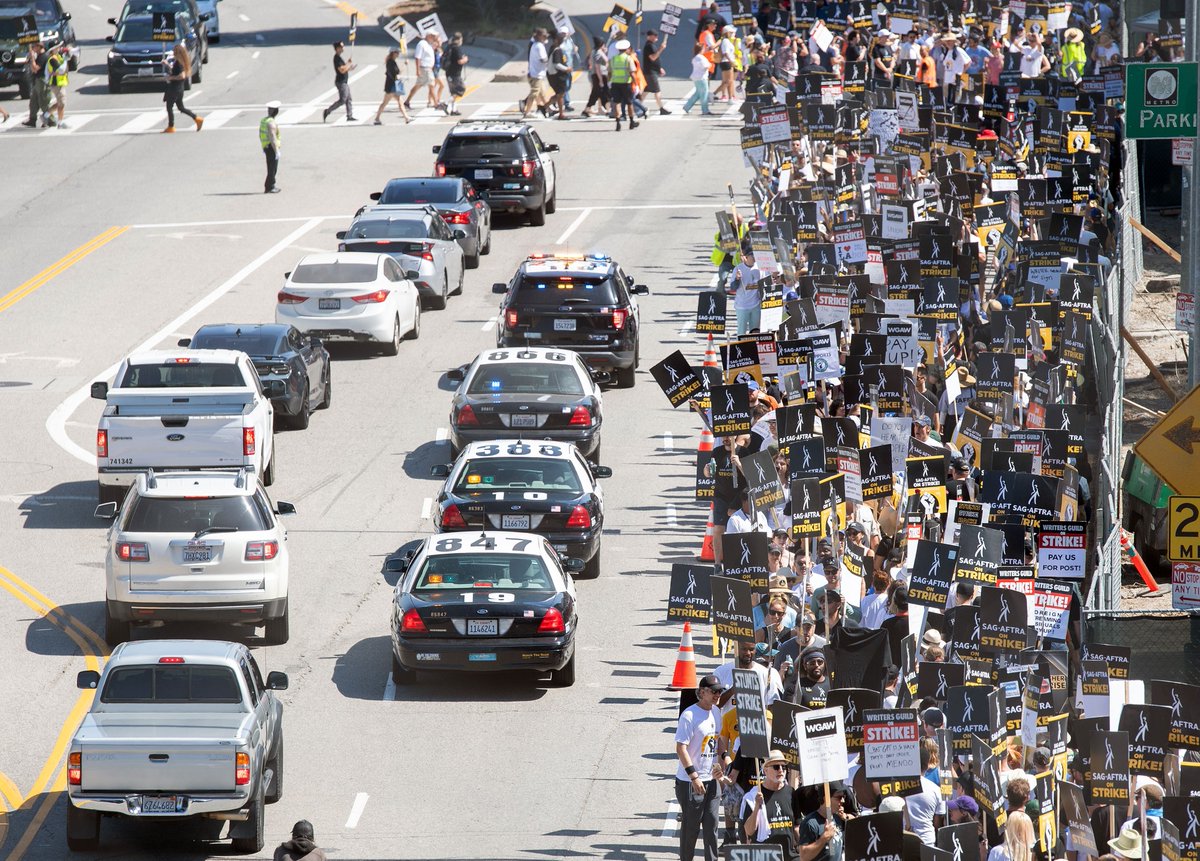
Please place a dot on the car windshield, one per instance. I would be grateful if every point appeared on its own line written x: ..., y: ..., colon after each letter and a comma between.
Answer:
x: 508, y: 473
x: 171, y: 683
x: 483, y: 146
x: 420, y: 191
x: 389, y: 228
x: 189, y: 516
x: 10, y: 29
x: 553, y: 290
x: 145, y: 8
x: 334, y: 273
x: 139, y: 30
x: 45, y: 11
x: 465, y: 572
x: 525, y: 378
x: 253, y: 343
x: 182, y: 375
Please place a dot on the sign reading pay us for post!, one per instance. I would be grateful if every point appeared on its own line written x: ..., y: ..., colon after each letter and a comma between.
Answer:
x: 821, y: 735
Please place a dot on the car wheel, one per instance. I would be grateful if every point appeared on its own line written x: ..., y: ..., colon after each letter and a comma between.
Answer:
x: 269, y: 472
x: 250, y: 838
x: 214, y: 39
x: 205, y: 60
x: 401, y: 674
x: 276, y: 630
x: 438, y: 303
x: 300, y: 420
x: 552, y: 203
x: 627, y: 377
x: 114, y: 86
x: 487, y: 248
x: 328, y: 398
x: 415, y: 331
x: 565, y: 677
x: 83, y: 829
x: 276, y: 766
x: 187, y: 83
x: 472, y: 260
x: 116, y: 632
x: 537, y: 217
x: 591, y: 569
x: 462, y: 276
x: 392, y: 347
x: 112, y: 494
x: 197, y: 78
x: 594, y: 457
x: 73, y: 62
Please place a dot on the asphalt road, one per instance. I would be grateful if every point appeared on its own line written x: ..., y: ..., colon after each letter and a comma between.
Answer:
x: 114, y: 238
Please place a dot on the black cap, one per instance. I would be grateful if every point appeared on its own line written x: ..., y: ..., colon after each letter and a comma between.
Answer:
x: 303, y: 829
x: 712, y: 683
x: 934, y: 718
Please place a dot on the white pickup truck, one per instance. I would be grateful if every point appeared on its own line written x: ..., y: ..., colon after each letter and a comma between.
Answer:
x: 183, y: 409
x: 178, y: 729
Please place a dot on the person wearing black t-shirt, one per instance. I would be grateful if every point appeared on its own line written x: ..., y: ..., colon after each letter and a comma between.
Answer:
x: 759, y: 79
x: 341, y: 81
x: 883, y: 61
x: 822, y: 831
x: 769, y: 810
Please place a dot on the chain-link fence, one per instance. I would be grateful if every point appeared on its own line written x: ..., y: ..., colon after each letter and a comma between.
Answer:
x: 1163, y: 645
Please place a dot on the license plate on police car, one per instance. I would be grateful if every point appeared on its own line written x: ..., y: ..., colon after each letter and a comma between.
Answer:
x: 484, y: 174
x: 564, y: 325
x: 482, y: 628
x: 523, y: 421
x: 146, y: 71
x: 197, y: 553
x: 159, y: 804
x: 329, y: 304
x: 514, y: 521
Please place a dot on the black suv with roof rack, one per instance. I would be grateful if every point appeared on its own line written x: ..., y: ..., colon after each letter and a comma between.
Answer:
x: 583, y: 303
x: 507, y: 162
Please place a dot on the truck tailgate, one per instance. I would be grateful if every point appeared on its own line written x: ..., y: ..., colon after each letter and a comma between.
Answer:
x: 163, y: 440
x: 158, y: 753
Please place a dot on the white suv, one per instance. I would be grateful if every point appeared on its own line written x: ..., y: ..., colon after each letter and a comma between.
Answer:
x: 205, y: 546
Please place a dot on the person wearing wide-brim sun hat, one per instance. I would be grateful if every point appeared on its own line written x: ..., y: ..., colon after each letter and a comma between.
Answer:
x: 1074, y: 56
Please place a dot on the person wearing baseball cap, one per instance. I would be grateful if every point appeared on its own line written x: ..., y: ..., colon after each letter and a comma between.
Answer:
x: 697, y: 775
x: 768, y: 810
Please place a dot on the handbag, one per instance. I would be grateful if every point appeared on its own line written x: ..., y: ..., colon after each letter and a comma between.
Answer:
x: 398, y: 87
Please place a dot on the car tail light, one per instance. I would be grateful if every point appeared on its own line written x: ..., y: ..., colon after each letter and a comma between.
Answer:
x: 75, y: 769
x: 412, y: 623
x: 133, y: 551
x: 466, y: 416
x: 552, y: 622
x: 439, y: 169
x: 241, y: 769
x: 426, y: 251
x: 580, y: 518
x: 101, y: 443
x: 247, y: 441
x: 261, y: 551
x: 452, y: 518
x: 285, y: 298
x: 581, y: 418
x: 510, y: 319
x: 457, y: 217
x: 620, y: 315
x: 377, y: 296
x: 170, y: 659
x: 527, y: 168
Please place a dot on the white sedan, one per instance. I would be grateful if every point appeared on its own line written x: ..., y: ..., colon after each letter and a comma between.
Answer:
x: 351, y: 296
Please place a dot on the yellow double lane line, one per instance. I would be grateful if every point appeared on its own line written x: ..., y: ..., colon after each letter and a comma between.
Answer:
x: 19, y: 292
x: 52, y: 777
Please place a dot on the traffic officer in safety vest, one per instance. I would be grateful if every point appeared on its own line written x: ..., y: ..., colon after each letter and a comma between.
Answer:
x: 621, y: 83
x: 269, y: 137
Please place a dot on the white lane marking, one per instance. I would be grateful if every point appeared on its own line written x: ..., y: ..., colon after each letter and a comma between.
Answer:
x: 426, y: 507
x: 574, y: 225
x: 360, y: 800
x: 668, y: 441
x: 194, y: 94
x: 216, y: 119
x: 232, y: 75
x: 309, y: 250
x: 442, y: 435
x: 91, y: 81
x: 94, y: 7
x: 254, y: 56
x: 74, y: 123
x: 715, y: 280
x: 672, y: 522
x: 389, y: 689
x: 490, y: 111
x: 296, y: 115
x: 426, y: 116
x: 142, y: 122
x: 668, y: 829
x: 56, y: 423
x: 244, y: 17
x: 165, y: 224
x: 487, y: 324
x: 686, y: 328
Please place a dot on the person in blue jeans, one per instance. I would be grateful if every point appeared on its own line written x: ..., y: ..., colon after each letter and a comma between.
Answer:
x: 701, y: 68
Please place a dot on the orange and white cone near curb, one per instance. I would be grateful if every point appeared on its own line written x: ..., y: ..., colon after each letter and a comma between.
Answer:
x: 707, y: 440
x: 685, y: 664
x: 706, y: 549
x: 710, y: 354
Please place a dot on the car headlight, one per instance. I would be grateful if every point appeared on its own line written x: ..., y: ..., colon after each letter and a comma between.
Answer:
x: 113, y: 55
x: 49, y: 35
x: 6, y: 57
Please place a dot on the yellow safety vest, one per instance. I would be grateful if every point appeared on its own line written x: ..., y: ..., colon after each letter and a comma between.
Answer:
x: 621, y: 69
x: 58, y: 71
x: 264, y: 134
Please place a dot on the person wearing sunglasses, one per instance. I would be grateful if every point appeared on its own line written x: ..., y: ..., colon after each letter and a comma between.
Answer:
x: 768, y: 810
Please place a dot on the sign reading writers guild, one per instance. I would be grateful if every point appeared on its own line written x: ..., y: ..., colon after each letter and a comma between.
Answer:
x: 676, y: 378
x: 891, y: 744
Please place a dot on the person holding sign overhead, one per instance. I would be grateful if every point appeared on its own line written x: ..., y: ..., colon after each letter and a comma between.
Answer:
x: 698, y: 773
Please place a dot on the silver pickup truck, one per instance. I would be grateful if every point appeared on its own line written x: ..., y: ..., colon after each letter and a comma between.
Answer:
x: 178, y: 729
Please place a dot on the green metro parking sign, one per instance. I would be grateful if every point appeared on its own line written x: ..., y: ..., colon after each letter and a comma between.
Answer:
x: 1161, y: 100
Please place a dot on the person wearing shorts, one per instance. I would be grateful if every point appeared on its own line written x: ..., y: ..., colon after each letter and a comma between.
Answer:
x: 652, y: 67
x: 425, y: 56
x: 539, y: 67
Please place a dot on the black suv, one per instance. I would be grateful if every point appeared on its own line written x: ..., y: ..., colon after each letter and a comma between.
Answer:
x: 583, y: 303
x: 506, y: 162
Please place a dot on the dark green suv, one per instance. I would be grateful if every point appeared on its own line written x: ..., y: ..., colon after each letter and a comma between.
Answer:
x: 12, y: 52
x: 53, y: 24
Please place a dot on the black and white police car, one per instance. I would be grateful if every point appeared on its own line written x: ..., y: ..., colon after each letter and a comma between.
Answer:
x: 531, y: 486
x: 484, y: 601
x: 528, y: 393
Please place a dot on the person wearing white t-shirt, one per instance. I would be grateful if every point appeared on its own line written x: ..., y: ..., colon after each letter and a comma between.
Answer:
x: 698, y: 773
x: 926, y: 809
x: 539, y: 68
x: 1033, y: 59
x: 769, y: 683
x: 425, y: 56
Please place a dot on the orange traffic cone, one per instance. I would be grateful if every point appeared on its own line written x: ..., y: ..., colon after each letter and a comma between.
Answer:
x: 685, y: 665
x: 706, y: 440
x: 710, y: 354
x: 706, y: 549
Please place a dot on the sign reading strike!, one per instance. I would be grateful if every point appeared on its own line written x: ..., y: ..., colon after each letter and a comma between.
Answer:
x: 690, y: 596
x: 751, y: 713
x: 676, y: 378
x: 730, y: 410
x: 891, y: 744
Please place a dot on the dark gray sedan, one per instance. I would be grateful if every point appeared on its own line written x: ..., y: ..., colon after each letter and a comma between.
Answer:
x: 457, y: 202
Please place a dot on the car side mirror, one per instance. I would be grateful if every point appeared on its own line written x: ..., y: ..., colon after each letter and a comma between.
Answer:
x: 459, y: 233
x: 440, y: 470
x: 640, y: 290
x: 205, y: 16
x: 500, y: 287
x: 285, y: 508
x: 66, y: 16
x: 106, y: 510
x: 550, y: 147
x: 398, y: 564
x: 602, y: 471
x: 574, y: 565
x: 100, y: 391
x: 87, y: 680
x: 601, y: 377
x: 314, y: 342
x: 184, y: 342
x: 456, y: 375
x: 112, y: 21
x: 375, y: 195
x: 412, y: 274
x: 437, y: 148
x: 273, y: 388
x: 341, y: 234
x: 109, y: 38
x: 277, y: 681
